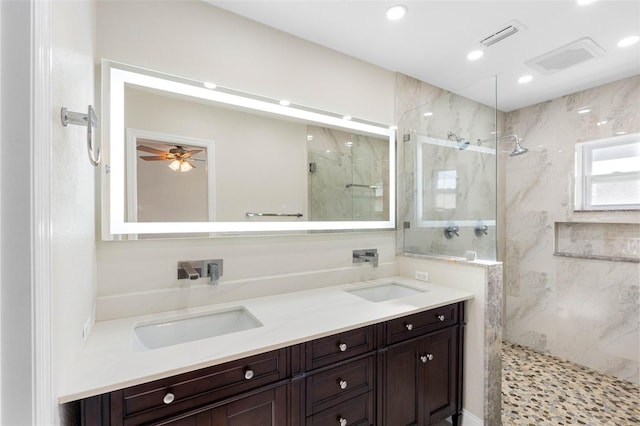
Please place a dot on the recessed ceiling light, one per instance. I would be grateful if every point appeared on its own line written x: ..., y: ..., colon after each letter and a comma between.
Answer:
x: 210, y: 85
x: 346, y: 117
x: 427, y: 114
x: 525, y: 79
x: 285, y: 102
x: 396, y: 12
x: 584, y: 2
x: 628, y: 41
x: 584, y: 111
x: 476, y: 54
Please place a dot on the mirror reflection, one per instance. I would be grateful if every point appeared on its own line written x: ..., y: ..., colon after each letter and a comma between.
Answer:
x: 199, y: 160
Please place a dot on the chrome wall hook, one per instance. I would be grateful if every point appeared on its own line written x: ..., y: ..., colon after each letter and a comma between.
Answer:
x: 90, y: 120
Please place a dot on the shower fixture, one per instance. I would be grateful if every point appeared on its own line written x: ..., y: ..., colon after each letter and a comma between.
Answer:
x: 462, y: 142
x: 518, y: 149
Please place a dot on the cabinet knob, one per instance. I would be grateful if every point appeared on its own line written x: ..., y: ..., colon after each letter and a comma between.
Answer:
x: 168, y: 398
x: 441, y: 317
x: 342, y: 347
x: 425, y: 358
x: 409, y: 326
x: 343, y: 384
x: 248, y: 374
x: 342, y: 421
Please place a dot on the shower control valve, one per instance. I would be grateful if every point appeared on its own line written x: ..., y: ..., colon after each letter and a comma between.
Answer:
x: 450, y: 231
x: 481, y: 230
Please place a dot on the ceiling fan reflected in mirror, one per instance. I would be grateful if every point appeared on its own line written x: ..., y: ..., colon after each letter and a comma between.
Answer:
x: 180, y: 156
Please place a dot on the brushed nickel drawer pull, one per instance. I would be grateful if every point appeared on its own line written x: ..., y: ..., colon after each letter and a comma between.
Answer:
x: 342, y: 347
x: 343, y: 384
x: 168, y: 398
x: 342, y: 421
x: 441, y: 317
x: 248, y: 374
x: 409, y: 326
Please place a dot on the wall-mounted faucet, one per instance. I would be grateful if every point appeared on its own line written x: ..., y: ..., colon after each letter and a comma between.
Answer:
x: 481, y: 230
x: 366, y: 256
x: 194, y: 269
x: 450, y: 231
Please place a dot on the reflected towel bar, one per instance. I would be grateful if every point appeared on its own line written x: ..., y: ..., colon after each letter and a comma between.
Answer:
x: 251, y: 214
x: 357, y: 185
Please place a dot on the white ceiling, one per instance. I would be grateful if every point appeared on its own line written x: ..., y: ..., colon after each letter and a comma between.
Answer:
x: 431, y: 42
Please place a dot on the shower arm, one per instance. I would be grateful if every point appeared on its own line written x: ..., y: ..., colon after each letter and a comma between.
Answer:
x: 481, y: 141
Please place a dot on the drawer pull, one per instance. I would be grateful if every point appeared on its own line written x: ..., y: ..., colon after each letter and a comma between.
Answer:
x: 425, y: 358
x: 409, y: 326
x: 342, y: 421
x: 343, y: 384
x: 168, y: 398
x: 342, y: 347
x: 248, y: 374
x: 441, y: 317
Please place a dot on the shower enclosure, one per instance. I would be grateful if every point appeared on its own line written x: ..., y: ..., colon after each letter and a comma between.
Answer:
x: 348, y: 175
x: 450, y: 166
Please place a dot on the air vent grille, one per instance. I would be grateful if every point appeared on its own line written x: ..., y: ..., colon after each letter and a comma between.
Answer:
x: 505, y: 31
x: 566, y: 56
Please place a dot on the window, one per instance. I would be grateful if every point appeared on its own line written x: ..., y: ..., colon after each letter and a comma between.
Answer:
x: 608, y: 174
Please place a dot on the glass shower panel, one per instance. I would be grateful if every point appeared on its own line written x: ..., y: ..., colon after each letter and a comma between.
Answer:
x: 450, y: 179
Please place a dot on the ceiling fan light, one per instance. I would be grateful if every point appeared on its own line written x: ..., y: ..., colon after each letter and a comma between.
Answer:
x: 185, y: 166
x: 174, y: 165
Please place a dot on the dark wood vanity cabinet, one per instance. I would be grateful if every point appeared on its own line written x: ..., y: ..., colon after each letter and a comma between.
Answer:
x: 406, y: 371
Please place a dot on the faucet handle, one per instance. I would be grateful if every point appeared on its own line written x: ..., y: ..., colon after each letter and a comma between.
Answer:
x: 213, y: 269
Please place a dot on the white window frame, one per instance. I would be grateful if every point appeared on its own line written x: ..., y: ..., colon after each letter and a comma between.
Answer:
x: 584, y: 179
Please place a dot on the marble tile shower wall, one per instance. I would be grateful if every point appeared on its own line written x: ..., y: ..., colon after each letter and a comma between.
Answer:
x: 580, y: 309
x: 475, y: 190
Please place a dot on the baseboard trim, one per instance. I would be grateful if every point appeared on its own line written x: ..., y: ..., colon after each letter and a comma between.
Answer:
x: 469, y: 419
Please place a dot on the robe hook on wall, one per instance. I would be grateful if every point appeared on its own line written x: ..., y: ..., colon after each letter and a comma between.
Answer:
x: 90, y: 120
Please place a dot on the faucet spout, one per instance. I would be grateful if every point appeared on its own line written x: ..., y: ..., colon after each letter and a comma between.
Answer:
x: 187, y: 270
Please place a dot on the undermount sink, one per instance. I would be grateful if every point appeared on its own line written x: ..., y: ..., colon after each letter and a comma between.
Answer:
x: 187, y: 329
x: 384, y: 292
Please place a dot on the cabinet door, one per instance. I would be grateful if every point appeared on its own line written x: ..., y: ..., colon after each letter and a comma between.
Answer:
x: 439, y: 357
x: 398, y: 396
x: 265, y: 408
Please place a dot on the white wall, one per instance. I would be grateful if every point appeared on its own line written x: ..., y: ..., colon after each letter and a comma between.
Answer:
x: 72, y: 180
x: 196, y: 40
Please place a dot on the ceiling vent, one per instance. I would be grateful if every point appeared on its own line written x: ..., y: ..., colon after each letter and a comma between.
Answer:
x: 567, y: 56
x: 507, y: 30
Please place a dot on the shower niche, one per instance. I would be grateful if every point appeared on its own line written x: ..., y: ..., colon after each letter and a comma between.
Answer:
x: 450, y: 174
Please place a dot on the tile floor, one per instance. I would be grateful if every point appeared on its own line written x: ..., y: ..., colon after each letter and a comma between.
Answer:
x: 541, y: 390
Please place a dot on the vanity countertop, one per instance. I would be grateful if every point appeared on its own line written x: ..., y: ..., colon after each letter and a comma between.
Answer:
x: 107, y: 361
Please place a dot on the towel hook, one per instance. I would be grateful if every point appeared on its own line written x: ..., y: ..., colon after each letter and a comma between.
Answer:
x: 90, y: 120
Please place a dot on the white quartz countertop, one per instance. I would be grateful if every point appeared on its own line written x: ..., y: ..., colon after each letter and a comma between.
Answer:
x: 108, y: 362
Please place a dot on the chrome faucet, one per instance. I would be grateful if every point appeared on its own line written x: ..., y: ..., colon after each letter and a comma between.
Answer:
x: 194, y: 269
x: 366, y: 256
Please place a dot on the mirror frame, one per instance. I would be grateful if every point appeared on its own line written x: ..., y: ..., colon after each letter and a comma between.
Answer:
x: 114, y: 78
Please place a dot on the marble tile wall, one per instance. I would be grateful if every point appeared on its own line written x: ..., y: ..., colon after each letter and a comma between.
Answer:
x: 583, y: 310
x: 476, y: 171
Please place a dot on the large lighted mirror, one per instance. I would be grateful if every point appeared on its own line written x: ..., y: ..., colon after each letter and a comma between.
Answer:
x: 188, y: 158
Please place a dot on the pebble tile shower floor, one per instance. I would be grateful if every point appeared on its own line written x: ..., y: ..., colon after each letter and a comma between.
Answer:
x: 541, y: 390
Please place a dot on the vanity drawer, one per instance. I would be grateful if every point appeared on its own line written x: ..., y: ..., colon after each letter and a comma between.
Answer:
x: 357, y: 411
x: 339, y: 347
x: 149, y: 401
x: 423, y: 322
x: 339, y: 384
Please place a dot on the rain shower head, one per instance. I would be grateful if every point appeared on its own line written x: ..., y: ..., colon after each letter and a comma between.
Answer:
x: 462, y: 142
x: 518, y: 149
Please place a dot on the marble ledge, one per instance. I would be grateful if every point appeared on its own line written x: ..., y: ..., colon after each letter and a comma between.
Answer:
x: 598, y: 257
